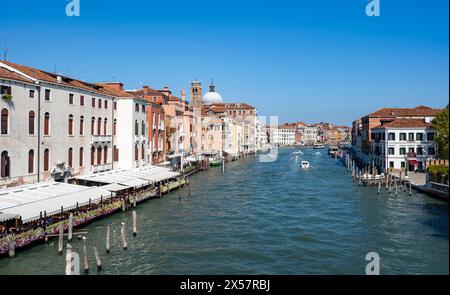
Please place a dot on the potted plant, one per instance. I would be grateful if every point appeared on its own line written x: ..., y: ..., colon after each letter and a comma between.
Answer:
x: 7, y: 96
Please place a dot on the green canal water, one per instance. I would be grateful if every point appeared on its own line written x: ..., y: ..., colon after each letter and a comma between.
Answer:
x: 266, y: 218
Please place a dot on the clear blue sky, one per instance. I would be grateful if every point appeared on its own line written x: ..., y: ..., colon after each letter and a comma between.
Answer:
x: 301, y: 60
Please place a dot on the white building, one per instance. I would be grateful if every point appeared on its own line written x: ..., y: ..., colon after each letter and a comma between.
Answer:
x: 307, y: 134
x: 403, y: 144
x: 283, y: 135
x: 48, y: 119
x: 54, y: 127
x: 131, y: 148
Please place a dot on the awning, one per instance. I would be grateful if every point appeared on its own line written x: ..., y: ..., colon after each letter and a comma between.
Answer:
x: 115, y: 187
x: 29, y: 201
x: 7, y: 216
x: 413, y: 162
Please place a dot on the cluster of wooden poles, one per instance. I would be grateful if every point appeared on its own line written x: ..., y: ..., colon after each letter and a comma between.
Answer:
x: 369, y: 176
x: 69, y: 255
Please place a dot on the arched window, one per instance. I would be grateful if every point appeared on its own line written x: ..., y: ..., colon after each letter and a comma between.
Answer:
x: 143, y: 151
x: 92, y: 156
x: 105, y: 126
x: 136, y: 127
x: 105, y: 155
x: 116, y: 154
x: 70, y: 160
x: 143, y: 128
x: 92, y: 125
x: 46, y: 160
x: 136, y: 152
x: 4, y: 122
x: 99, y: 155
x: 5, y: 165
x: 31, y: 161
x: 114, y: 126
x: 70, y: 124
x: 31, y: 117
x: 99, y: 126
x: 81, y: 157
x: 46, y: 124
x: 81, y: 125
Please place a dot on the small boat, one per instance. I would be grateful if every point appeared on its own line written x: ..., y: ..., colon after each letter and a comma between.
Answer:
x: 297, y: 152
x: 215, y: 162
x: 305, y: 164
x: 318, y: 146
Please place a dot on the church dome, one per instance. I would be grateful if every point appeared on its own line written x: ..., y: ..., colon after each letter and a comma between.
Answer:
x: 212, y: 96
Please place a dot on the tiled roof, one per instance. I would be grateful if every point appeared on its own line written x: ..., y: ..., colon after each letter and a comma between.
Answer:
x: 51, y: 78
x: 405, y: 112
x: 174, y: 98
x: 111, y: 90
x: 4, y: 73
x: 405, y: 123
x: 234, y: 105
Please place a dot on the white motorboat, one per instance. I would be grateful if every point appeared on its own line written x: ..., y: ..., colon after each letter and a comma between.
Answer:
x: 305, y: 164
x: 297, y: 152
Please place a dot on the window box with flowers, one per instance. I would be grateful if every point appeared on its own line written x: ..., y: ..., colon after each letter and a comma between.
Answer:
x: 7, y: 96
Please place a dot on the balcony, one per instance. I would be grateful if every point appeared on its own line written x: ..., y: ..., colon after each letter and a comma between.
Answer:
x: 181, y: 133
x: 161, y: 126
x: 101, y: 167
x: 101, y: 138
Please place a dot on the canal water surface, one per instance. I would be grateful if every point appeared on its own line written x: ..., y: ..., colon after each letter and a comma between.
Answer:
x: 266, y: 218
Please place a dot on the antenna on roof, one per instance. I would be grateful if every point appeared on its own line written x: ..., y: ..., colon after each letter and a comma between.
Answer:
x: 5, y: 50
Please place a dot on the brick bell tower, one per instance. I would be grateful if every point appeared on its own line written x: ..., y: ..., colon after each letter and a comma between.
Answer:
x: 195, y: 100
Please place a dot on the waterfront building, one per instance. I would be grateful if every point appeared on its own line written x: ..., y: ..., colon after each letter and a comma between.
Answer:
x: 52, y: 126
x: 307, y: 134
x: 222, y: 128
x: 131, y: 148
x: 403, y: 144
x: 283, y: 135
x: 362, y: 127
x: 155, y: 121
x: 180, y: 137
x: 246, y: 115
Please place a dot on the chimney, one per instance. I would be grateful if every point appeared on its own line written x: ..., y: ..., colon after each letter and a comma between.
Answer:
x: 166, y: 91
x: 115, y: 85
x: 183, y: 95
x: 145, y: 89
x: 58, y: 79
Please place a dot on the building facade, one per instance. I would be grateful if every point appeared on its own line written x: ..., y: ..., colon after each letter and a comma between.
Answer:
x: 362, y: 127
x: 52, y: 126
x: 403, y: 144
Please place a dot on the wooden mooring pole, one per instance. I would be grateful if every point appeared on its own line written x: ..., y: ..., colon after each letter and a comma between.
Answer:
x: 85, y: 257
x: 60, y: 239
x: 12, y: 249
x: 122, y: 235
x: 97, y: 258
x: 70, y: 230
x: 410, y: 188
x: 108, y: 246
x: 134, y: 223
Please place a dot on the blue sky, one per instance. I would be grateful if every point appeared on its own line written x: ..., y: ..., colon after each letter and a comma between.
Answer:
x: 301, y: 60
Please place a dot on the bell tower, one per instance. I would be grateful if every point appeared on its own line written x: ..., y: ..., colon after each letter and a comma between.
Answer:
x: 195, y: 100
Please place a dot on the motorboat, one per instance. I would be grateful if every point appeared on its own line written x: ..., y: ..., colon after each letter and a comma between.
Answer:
x: 297, y: 152
x: 318, y: 146
x: 304, y: 164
